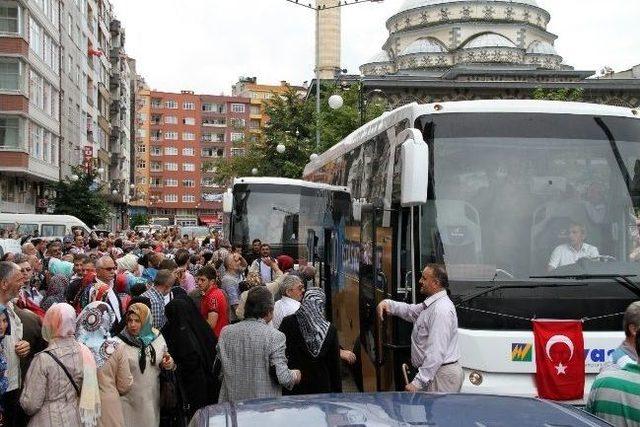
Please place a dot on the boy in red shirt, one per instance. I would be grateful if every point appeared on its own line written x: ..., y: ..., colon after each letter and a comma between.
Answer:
x: 213, y: 306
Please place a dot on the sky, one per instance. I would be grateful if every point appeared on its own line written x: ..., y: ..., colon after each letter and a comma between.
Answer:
x: 205, y: 45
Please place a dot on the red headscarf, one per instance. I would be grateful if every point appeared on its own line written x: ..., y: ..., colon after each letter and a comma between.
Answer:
x: 285, y: 262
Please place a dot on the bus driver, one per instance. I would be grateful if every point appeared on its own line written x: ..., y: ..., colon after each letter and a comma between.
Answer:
x: 569, y: 253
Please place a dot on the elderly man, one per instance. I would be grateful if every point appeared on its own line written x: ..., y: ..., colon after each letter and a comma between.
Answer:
x: 250, y: 349
x: 434, y: 340
x: 230, y: 283
x: 291, y: 291
x: 102, y: 288
x: 161, y: 287
x: 21, y: 342
x: 29, y: 249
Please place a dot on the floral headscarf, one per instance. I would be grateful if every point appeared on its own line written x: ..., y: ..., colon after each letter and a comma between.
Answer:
x: 57, y: 266
x: 313, y: 325
x: 92, y: 329
x: 55, y: 291
x: 59, y: 322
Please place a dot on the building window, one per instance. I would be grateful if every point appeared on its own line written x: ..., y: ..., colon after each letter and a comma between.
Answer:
x: 171, y: 166
x: 141, y: 148
x: 237, y: 108
x: 9, y: 19
x: 141, y: 179
x: 188, y: 136
x: 188, y: 167
x: 214, y: 108
x: 189, y: 183
x: 155, y: 182
x: 156, y: 103
x: 171, y: 135
x: 188, y: 152
x: 171, y: 120
x: 255, y: 110
x: 156, y: 166
x: 235, y: 152
x: 170, y: 151
x: 155, y: 150
x: 171, y: 198
x: 188, y: 106
x: 189, y: 121
x: 171, y: 104
x: 171, y: 182
x: 237, y: 137
x: 141, y: 164
x: 238, y: 123
x: 10, y: 132
x: 10, y: 74
x: 188, y: 198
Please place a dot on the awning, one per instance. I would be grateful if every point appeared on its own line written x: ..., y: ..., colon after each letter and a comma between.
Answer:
x: 210, y: 219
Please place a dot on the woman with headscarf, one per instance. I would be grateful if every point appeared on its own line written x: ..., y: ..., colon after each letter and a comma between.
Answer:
x: 147, y: 353
x: 61, y: 386
x: 312, y: 346
x: 64, y: 268
x: 192, y: 345
x: 114, y: 376
x: 55, y: 292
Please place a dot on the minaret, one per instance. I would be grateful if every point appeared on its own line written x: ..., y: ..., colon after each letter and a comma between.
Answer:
x: 328, y: 39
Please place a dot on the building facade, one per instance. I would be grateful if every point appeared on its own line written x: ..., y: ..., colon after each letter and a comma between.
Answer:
x: 29, y: 104
x: 179, y: 137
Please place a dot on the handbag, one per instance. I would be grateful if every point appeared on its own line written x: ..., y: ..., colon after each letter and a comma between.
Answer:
x: 169, y: 397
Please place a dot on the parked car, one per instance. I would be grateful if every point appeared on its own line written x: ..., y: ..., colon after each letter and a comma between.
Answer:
x: 47, y: 226
x: 394, y: 409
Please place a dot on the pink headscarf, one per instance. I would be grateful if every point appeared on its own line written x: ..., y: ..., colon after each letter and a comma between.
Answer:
x: 59, y: 322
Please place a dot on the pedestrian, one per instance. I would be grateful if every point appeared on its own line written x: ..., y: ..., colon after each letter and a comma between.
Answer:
x: 154, y: 260
x: 254, y: 254
x: 230, y: 282
x: 55, y: 291
x: 626, y: 352
x: 61, y: 386
x: 114, y: 375
x: 102, y: 288
x: 312, y: 346
x: 192, y: 344
x: 434, y: 340
x: 213, y: 305
x: 4, y: 381
x: 291, y: 291
x: 250, y: 349
x: 161, y: 287
x: 147, y: 354
x: 265, y: 264
x: 186, y: 279
x: 615, y: 395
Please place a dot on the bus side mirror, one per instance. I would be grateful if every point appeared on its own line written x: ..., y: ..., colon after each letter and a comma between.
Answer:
x: 415, y: 169
x: 227, y: 202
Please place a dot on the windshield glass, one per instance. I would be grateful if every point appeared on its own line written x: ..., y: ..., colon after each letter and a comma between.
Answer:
x: 518, y: 195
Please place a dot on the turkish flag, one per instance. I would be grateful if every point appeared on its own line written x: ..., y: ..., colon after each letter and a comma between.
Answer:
x: 559, y: 352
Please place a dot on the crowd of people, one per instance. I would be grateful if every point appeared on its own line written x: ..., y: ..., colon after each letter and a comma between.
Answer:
x: 143, y: 330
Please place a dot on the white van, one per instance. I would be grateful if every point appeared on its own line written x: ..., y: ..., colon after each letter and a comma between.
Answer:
x: 48, y: 226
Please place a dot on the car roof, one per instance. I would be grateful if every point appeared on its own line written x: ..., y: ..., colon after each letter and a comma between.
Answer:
x: 396, y: 409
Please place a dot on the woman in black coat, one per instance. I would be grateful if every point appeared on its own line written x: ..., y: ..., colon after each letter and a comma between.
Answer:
x: 312, y: 346
x: 192, y: 345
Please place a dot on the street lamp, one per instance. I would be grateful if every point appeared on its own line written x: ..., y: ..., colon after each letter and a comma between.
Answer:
x: 317, y: 9
x: 132, y: 186
x: 254, y: 171
x: 335, y: 102
x: 74, y: 177
x: 280, y: 148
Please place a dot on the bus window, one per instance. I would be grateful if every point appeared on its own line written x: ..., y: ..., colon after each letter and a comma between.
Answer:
x: 53, y: 230
x: 27, y: 228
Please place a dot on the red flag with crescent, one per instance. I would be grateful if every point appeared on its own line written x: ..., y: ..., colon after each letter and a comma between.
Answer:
x: 559, y: 353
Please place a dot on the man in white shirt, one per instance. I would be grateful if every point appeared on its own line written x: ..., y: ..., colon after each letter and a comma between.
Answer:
x: 102, y: 290
x: 292, y: 291
x: 434, y: 339
x: 569, y: 253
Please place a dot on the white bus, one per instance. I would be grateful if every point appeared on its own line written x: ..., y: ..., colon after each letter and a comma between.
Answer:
x: 489, y: 189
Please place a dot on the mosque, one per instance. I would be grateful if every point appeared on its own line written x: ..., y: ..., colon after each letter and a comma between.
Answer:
x: 442, y: 50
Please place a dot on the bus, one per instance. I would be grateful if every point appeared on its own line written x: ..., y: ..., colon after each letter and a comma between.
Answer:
x: 288, y: 214
x: 489, y: 189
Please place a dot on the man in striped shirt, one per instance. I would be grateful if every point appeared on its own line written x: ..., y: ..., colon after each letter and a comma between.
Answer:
x: 615, y: 394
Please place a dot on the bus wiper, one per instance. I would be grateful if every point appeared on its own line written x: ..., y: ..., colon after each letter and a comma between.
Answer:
x: 623, y: 279
x: 519, y: 286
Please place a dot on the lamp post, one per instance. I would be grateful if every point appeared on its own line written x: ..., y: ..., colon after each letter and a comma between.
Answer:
x: 317, y: 10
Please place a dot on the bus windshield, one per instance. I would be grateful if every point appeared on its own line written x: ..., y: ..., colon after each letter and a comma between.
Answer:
x: 514, y: 195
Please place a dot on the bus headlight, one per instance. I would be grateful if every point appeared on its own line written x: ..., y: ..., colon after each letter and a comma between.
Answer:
x: 475, y: 378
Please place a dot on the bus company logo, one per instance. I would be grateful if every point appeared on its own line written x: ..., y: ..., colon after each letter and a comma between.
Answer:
x: 521, y: 352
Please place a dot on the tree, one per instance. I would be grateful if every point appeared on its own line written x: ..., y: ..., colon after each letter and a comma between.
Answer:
x: 292, y: 122
x: 82, y: 198
x: 139, y: 219
x: 564, y: 94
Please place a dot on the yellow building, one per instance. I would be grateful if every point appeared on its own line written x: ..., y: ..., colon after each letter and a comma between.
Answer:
x: 249, y: 87
x: 141, y: 148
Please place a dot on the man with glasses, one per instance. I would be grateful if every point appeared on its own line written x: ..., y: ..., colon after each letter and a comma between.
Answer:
x: 28, y: 290
x: 292, y: 291
x: 102, y: 288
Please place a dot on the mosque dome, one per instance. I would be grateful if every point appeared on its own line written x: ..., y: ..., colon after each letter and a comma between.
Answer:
x: 415, y: 4
x: 541, y: 48
x: 488, y: 40
x: 424, y: 45
x: 382, y: 56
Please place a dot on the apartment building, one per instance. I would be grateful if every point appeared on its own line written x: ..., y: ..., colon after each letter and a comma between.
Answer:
x: 29, y: 104
x: 180, y: 134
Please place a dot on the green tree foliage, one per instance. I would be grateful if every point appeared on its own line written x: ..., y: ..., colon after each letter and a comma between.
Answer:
x: 139, y: 219
x: 564, y: 94
x: 82, y: 199
x: 293, y: 124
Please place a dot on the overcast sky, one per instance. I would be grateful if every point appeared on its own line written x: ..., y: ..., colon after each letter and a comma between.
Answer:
x: 204, y: 45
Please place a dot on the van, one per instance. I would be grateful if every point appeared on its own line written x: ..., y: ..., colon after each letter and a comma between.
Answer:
x: 47, y: 226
